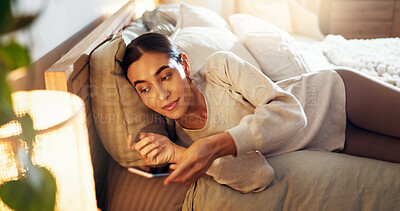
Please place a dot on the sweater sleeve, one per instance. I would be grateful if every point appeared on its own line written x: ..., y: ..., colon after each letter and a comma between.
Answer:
x: 277, y: 115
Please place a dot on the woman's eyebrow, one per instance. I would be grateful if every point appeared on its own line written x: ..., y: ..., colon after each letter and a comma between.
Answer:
x: 161, y: 69
x: 157, y: 73
x: 138, y: 82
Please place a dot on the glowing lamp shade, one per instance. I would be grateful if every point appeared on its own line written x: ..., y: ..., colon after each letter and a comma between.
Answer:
x: 61, y: 146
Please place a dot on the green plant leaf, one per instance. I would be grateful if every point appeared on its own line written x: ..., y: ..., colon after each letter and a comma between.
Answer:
x: 5, y: 13
x: 9, y: 23
x: 16, y: 23
x: 6, y: 110
x: 27, y: 130
x: 13, y: 55
x: 6, y: 113
x: 36, y: 191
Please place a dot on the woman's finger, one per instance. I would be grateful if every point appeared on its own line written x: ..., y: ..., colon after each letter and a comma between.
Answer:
x: 143, y: 135
x: 154, y: 153
x: 144, y: 168
x: 129, y: 143
x: 173, y: 166
x: 148, y: 149
x: 191, y: 175
x: 143, y: 143
x: 176, y: 175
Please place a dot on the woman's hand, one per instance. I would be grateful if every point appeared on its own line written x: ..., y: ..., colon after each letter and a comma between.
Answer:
x: 155, y: 149
x: 197, y: 159
x: 195, y: 162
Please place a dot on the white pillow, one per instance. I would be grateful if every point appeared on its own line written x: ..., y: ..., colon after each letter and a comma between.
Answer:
x: 201, y: 32
x: 274, y: 49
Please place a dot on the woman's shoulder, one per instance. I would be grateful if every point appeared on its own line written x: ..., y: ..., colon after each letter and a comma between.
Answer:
x: 219, y: 63
x: 221, y: 57
x: 214, y: 69
x: 221, y: 67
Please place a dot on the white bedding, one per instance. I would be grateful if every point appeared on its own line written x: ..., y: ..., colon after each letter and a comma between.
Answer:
x: 312, y: 51
x: 379, y: 58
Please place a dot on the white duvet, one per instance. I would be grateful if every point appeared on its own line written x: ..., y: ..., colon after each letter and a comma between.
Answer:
x: 379, y: 58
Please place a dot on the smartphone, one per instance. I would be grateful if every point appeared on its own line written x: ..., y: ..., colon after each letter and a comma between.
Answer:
x: 154, y: 172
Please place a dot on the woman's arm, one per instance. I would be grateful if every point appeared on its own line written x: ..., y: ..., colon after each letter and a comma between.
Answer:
x: 197, y: 159
x: 277, y: 116
x: 155, y: 149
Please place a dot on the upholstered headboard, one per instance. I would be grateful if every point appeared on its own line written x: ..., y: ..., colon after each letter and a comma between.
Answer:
x: 71, y: 74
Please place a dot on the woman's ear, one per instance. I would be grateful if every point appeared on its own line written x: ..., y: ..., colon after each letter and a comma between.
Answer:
x: 185, y: 64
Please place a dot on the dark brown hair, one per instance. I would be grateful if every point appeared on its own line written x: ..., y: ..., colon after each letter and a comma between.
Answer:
x: 149, y: 42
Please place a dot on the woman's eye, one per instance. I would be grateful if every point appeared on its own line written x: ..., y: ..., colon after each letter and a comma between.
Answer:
x: 166, y: 77
x: 144, y: 90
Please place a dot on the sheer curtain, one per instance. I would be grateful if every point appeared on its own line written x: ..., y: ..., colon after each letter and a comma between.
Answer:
x: 298, y: 17
x: 222, y: 7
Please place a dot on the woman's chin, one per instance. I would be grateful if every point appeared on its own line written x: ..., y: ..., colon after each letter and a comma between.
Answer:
x: 177, y: 113
x: 173, y: 116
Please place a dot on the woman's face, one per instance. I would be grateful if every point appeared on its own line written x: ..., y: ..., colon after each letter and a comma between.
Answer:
x: 162, y: 83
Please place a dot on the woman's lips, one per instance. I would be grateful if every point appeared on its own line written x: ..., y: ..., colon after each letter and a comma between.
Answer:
x: 171, y: 106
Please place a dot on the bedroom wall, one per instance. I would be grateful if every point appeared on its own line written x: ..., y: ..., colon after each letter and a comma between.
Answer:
x: 63, y: 18
x: 60, y: 20
x: 61, y: 24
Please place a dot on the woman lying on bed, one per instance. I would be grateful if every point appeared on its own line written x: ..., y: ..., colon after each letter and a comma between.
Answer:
x: 228, y: 107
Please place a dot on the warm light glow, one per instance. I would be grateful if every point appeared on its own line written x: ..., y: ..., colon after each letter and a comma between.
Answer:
x: 64, y: 150
x: 114, y: 6
x: 8, y: 166
x: 12, y: 128
x: 17, y: 74
x: 142, y: 5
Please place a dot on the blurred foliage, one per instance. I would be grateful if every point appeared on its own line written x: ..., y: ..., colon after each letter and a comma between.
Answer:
x: 37, y: 188
x: 30, y: 194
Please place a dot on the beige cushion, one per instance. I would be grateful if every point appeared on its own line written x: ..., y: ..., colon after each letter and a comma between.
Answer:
x: 117, y: 109
x: 128, y: 191
x: 200, y: 32
x: 274, y: 49
x: 309, y: 180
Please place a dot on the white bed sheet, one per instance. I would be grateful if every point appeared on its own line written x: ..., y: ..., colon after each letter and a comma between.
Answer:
x: 312, y: 51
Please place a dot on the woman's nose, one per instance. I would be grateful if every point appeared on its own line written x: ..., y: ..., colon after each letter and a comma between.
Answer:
x: 163, y: 93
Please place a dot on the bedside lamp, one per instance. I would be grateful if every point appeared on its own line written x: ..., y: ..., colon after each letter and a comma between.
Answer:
x: 61, y: 145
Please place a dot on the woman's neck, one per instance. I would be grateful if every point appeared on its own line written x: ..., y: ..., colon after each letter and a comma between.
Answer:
x: 196, y: 115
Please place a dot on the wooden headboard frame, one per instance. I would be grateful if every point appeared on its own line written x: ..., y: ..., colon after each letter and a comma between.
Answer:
x: 71, y: 74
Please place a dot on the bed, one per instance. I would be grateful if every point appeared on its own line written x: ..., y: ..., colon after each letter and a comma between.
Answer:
x: 304, y: 180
